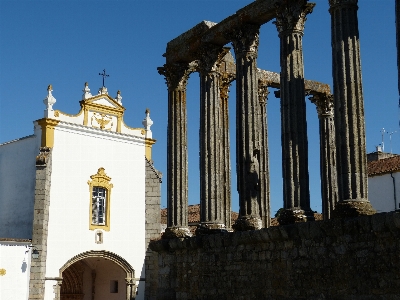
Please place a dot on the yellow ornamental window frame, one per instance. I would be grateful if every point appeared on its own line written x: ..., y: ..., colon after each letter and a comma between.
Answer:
x: 100, y: 179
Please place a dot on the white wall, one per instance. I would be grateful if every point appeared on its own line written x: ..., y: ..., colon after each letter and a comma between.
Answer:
x: 14, y: 284
x: 17, y: 187
x: 77, y: 154
x: 381, y: 192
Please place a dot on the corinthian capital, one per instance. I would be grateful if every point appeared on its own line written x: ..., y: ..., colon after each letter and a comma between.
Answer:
x: 291, y: 15
x: 245, y: 39
x: 225, y: 81
x: 324, y: 103
x: 176, y: 74
x: 210, y: 57
x: 263, y: 91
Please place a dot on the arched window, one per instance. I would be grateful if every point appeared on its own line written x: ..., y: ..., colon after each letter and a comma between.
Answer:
x: 100, y: 191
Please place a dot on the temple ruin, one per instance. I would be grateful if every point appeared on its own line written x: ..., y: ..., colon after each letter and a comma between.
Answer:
x: 203, y: 49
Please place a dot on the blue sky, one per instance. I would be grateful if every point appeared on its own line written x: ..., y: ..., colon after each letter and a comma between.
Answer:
x: 66, y: 43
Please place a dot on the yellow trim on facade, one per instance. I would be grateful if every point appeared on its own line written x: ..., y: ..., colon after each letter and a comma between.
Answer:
x: 100, y: 179
x: 48, y: 126
x: 89, y: 105
x: 148, y: 144
x: 57, y: 113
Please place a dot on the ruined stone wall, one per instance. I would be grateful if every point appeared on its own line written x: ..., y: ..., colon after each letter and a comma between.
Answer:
x: 337, y: 259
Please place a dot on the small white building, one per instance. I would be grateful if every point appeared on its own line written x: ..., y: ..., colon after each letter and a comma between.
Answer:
x: 83, y: 195
x: 384, y: 181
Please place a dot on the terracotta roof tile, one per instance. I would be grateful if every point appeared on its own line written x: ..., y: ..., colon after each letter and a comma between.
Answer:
x: 383, y: 166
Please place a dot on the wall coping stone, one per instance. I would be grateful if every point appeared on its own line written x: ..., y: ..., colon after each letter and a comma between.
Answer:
x: 335, y: 228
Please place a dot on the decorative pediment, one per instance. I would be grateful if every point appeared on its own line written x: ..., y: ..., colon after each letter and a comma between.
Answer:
x: 99, y: 111
x: 102, y: 103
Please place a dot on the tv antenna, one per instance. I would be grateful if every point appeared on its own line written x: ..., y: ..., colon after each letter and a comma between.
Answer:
x: 383, y: 135
x: 390, y: 139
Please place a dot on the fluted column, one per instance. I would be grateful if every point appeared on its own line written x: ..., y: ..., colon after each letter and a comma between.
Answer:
x: 212, y: 204
x: 264, y: 189
x: 245, y: 41
x: 225, y: 81
x: 327, y: 142
x: 349, y: 111
x: 176, y: 76
x: 290, y: 19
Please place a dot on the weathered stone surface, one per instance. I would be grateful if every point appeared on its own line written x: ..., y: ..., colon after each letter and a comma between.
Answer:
x: 210, y: 228
x: 247, y: 223
x: 176, y: 75
x: 349, y: 106
x: 245, y: 41
x: 40, y: 222
x: 354, y: 260
x: 293, y: 215
x: 214, y: 200
x: 152, y: 226
x: 176, y: 232
x: 351, y: 209
x: 290, y: 19
x: 329, y: 187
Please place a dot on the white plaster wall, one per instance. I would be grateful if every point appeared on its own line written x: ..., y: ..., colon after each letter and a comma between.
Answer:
x: 14, y: 285
x: 17, y: 187
x: 78, y: 153
x: 381, y: 192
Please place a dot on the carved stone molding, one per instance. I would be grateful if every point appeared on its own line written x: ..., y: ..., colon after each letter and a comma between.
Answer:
x: 324, y: 104
x: 291, y: 15
x: 245, y: 39
x: 177, y: 74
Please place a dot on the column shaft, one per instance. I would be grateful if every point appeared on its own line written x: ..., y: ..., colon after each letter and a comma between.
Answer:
x: 290, y: 24
x: 225, y: 82
x: 245, y: 42
x: 177, y: 173
x: 264, y: 156
x: 349, y: 109
x: 329, y: 189
x: 212, y: 202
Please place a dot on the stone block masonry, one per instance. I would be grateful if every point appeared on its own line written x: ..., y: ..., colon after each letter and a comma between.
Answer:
x: 153, y: 224
x: 354, y: 258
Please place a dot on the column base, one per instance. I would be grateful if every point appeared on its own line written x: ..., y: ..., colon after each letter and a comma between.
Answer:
x: 244, y: 223
x: 352, y: 209
x: 205, y: 228
x: 295, y: 215
x: 176, y: 232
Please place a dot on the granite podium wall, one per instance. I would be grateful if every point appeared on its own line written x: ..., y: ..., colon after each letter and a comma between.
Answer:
x: 355, y: 258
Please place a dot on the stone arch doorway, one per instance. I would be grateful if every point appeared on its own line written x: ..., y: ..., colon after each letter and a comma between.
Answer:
x: 97, y: 275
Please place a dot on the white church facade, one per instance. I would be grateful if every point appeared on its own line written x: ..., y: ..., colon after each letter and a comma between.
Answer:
x: 84, y: 191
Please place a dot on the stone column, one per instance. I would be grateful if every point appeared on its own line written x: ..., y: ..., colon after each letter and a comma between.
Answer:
x: 225, y: 81
x: 177, y: 182
x: 349, y: 111
x: 290, y: 19
x: 327, y: 141
x: 245, y: 41
x: 264, y: 156
x: 212, y: 204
